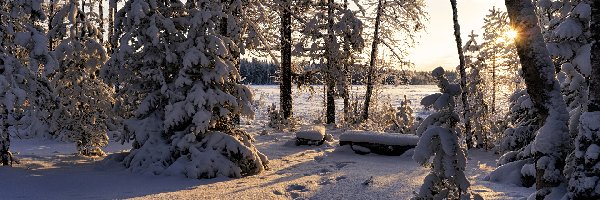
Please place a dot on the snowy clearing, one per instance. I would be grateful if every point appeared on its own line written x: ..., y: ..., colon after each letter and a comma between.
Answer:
x: 51, y: 170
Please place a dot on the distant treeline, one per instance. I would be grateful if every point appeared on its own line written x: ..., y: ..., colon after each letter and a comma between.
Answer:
x: 259, y: 72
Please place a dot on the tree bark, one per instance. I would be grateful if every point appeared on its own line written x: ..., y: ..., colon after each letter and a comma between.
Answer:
x: 494, y: 82
x: 463, y: 74
x: 101, y: 13
x: 347, y: 75
x: 371, y: 72
x: 50, y: 17
x: 330, y: 82
x: 538, y: 71
x: 594, y: 91
x: 285, y: 84
x: 112, y: 7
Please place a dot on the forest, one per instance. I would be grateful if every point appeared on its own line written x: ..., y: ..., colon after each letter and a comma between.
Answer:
x: 308, y: 99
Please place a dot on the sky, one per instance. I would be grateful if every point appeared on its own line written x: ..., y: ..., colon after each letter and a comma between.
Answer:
x: 437, y: 47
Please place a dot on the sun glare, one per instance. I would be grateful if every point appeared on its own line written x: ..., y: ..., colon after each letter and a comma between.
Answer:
x: 511, y: 34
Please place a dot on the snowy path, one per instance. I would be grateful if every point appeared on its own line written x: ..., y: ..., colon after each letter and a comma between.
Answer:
x: 51, y: 171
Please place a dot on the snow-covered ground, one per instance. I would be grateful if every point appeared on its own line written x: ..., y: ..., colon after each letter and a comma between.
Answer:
x: 51, y: 170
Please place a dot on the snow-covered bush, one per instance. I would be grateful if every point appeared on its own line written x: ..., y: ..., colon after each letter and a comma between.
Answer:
x: 278, y: 122
x: 175, y: 70
x: 521, y: 122
x: 85, y: 100
x: 404, y: 121
x: 439, y: 139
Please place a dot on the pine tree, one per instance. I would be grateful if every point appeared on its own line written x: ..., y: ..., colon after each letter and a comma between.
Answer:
x: 391, y: 17
x: 551, y: 139
x: 86, y: 101
x: 24, y: 59
x: 475, y: 85
x: 330, y: 23
x: 501, y: 60
x: 181, y: 76
x: 584, y: 179
x: 440, y: 140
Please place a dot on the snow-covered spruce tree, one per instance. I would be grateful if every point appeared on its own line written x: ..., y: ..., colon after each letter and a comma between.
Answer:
x: 85, y: 100
x: 177, y: 71
x: 584, y: 181
x: 551, y: 141
x: 522, y: 123
x: 323, y: 36
x: 574, y: 88
x: 478, y: 112
x: 439, y: 139
x: 501, y: 61
x: 25, y: 93
x: 569, y: 44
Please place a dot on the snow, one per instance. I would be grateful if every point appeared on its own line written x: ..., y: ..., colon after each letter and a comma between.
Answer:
x: 312, y: 133
x: 380, y: 138
x: 51, y: 170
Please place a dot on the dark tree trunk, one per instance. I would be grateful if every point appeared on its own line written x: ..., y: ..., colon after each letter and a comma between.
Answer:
x: 329, y: 80
x: 543, y: 88
x: 347, y: 75
x: 494, y: 83
x: 594, y: 95
x: 285, y: 84
x: 5, y: 156
x: 101, y: 13
x: 50, y: 17
x: 112, y: 8
x: 371, y: 72
x: 463, y: 74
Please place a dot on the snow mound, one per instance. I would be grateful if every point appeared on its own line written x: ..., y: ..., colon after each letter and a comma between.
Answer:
x: 312, y: 133
x: 510, y: 173
x: 380, y: 138
x: 217, y: 154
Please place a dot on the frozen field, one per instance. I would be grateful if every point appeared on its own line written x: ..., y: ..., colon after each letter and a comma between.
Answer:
x: 51, y: 170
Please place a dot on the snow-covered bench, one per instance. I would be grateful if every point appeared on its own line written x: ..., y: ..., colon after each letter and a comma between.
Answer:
x: 314, y: 135
x: 392, y: 144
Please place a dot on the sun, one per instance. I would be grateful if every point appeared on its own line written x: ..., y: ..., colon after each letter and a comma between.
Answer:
x: 511, y: 34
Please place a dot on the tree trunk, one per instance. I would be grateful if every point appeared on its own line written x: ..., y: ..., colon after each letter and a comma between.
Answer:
x: 285, y: 84
x: 330, y: 82
x: 494, y: 83
x: 539, y: 74
x: 101, y: 13
x: 463, y: 74
x: 371, y: 72
x: 50, y: 17
x: 112, y: 7
x: 594, y: 91
x: 347, y: 75
x: 4, y: 139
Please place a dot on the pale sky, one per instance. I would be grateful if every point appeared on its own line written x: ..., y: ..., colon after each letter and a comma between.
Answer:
x: 437, y: 46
